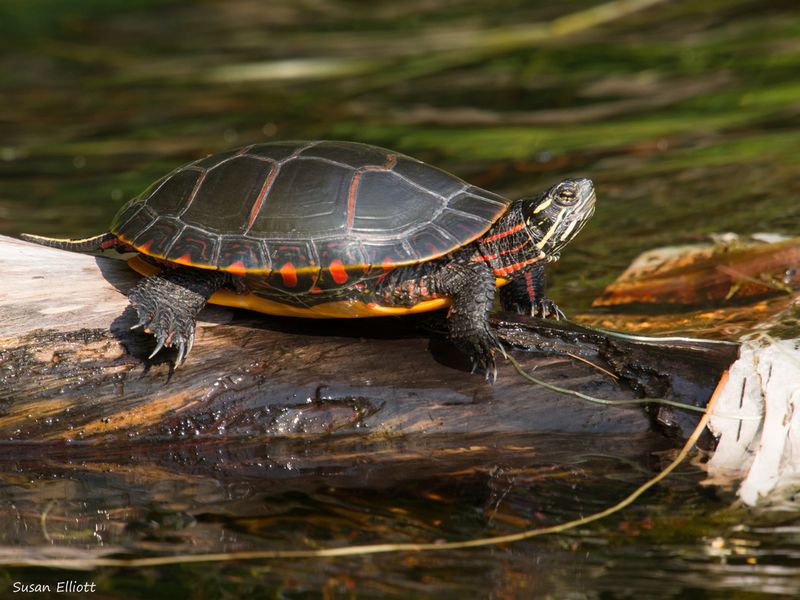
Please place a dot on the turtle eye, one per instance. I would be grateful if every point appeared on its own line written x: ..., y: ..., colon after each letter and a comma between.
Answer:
x: 566, y: 195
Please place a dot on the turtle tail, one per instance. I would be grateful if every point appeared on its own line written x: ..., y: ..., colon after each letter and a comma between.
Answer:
x: 91, y: 244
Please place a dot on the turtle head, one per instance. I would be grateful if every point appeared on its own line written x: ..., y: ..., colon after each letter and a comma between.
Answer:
x: 556, y: 216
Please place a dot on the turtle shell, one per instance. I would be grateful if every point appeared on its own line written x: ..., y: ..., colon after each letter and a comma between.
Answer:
x: 303, y: 207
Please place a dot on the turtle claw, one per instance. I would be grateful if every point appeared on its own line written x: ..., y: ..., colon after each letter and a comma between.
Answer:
x: 159, y: 346
x: 181, y: 352
x: 545, y: 308
x: 190, y: 342
x: 174, y: 337
x: 173, y: 323
x: 481, y: 352
x: 142, y: 322
x: 487, y: 365
x: 491, y: 374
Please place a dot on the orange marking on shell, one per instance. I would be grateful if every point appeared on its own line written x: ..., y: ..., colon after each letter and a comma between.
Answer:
x: 183, y: 259
x: 341, y: 309
x: 261, y: 195
x: 338, y: 271
x: 237, y: 268
x: 387, y: 268
x: 197, y: 185
x: 289, y: 275
x: 503, y: 234
x: 391, y: 161
x: 351, y: 199
x: 146, y: 246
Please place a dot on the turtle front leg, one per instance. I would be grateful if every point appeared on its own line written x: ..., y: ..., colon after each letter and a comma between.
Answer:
x: 167, y: 305
x: 472, y: 289
x: 525, y: 295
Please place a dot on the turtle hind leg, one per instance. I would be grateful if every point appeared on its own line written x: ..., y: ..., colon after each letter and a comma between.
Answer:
x: 91, y: 244
x: 167, y: 305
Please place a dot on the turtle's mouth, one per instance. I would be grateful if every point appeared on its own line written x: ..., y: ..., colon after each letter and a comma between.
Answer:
x: 590, y: 204
x: 586, y: 209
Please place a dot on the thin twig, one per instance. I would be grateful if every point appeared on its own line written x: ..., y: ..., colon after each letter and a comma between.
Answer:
x: 593, y: 365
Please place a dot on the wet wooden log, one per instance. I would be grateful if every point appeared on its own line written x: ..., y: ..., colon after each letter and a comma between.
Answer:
x: 71, y: 369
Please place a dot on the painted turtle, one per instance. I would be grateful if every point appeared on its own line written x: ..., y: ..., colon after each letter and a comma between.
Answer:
x: 337, y: 229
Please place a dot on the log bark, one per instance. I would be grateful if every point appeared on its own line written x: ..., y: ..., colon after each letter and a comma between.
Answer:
x: 71, y: 369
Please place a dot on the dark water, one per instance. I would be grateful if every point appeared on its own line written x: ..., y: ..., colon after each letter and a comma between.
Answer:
x: 296, y: 494
x: 685, y: 114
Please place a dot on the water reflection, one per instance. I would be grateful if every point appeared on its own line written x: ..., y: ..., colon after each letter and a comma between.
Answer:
x: 300, y: 494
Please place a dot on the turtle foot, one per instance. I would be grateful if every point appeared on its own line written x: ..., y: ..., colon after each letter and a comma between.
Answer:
x: 172, y: 325
x: 167, y: 307
x: 481, y: 351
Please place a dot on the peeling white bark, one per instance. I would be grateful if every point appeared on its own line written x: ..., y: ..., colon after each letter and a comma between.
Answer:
x: 762, y: 446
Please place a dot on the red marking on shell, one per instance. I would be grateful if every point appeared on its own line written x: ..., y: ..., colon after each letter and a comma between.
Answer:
x: 261, y: 195
x: 184, y: 259
x: 387, y: 268
x: 503, y: 234
x: 391, y: 161
x: 315, y: 290
x: 146, y: 246
x: 195, y: 190
x: 237, y: 268
x: 351, y: 199
x: 289, y: 275
x: 338, y: 271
